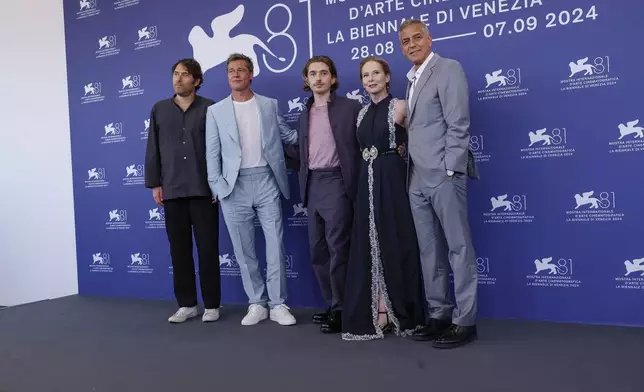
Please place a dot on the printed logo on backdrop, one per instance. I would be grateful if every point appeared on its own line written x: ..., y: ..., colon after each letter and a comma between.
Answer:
x: 477, y: 146
x: 508, y: 209
x: 92, y: 93
x: 96, y: 178
x: 146, y: 129
x: 289, y: 266
x: 228, y: 265
x: 359, y: 95
x: 547, y: 143
x: 87, y: 8
x: 131, y: 86
x: 120, y: 4
x: 147, y: 37
x: 107, y: 47
x: 300, y: 216
x: 139, y: 264
x: 113, y: 133
x: 101, y: 263
x: 134, y: 175
x: 630, y: 139
x: 594, y: 206
x: 552, y: 272
x: 503, y: 83
x: 633, y: 276
x: 213, y: 50
x: 589, y: 72
x: 156, y: 218
x: 483, y: 269
x: 295, y: 107
x: 117, y: 220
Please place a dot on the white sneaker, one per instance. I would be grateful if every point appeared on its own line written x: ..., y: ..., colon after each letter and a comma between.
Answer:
x: 256, y: 313
x: 210, y: 315
x: 184, y: 314
x: 282, y: 316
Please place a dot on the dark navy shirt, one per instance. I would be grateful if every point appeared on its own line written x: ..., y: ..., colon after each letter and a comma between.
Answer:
x: 175, y: 157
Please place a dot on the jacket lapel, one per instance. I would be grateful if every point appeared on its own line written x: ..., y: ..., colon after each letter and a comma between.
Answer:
x: 264, y: 118
x: 424, y: 77
x: 231, y: 122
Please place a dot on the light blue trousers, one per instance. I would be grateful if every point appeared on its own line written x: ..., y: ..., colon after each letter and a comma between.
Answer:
x: 256, y: 194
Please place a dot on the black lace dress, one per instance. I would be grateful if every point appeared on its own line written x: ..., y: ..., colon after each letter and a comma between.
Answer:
x: 384, y: 257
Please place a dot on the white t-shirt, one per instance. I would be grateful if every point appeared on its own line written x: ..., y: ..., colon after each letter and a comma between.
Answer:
x: 250, y: 138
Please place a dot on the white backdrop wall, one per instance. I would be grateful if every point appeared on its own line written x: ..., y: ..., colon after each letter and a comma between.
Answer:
x: 37, y: 237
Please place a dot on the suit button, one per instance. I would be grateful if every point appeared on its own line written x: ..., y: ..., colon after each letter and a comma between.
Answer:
x: 185, y: 158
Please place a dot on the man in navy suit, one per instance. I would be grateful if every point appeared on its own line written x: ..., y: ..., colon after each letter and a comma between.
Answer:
x: 329, y: 157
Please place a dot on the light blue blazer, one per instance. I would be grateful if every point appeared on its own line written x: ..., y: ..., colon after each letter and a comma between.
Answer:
x: 223, y: 151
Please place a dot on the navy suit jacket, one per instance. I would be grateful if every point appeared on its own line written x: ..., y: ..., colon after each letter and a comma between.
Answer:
x: 343, y: 117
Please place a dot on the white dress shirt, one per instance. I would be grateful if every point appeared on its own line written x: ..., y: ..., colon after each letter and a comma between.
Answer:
x: 250, y: 138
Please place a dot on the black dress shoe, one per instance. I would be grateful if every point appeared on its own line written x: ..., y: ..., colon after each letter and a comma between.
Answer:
x: 333, y: 324
x: 321, y: 318
x: 456, y: 336
x: 432, y: 331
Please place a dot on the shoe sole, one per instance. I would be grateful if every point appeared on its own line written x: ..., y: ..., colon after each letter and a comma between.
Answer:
x: 182, y: 321
x: 443, y: 346
x: 258, y: 321
x: 286, y: 324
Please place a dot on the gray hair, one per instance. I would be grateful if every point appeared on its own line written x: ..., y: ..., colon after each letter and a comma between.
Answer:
x: 239, y: 56
x: 412, y: 22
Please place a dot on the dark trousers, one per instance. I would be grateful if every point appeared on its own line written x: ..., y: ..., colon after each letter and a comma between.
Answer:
x: 182, y: 216
x: 330, y: 214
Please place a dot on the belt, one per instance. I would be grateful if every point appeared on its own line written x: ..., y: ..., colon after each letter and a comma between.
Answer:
x: 372, y: 153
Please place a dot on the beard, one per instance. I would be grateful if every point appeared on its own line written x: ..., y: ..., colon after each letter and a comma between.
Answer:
x: 183, y: 91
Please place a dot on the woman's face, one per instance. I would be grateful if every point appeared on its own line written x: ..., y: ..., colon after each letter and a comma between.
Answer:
x: 374, y: 79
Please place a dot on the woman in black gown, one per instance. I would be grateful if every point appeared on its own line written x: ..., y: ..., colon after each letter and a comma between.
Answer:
x: 384, y: 289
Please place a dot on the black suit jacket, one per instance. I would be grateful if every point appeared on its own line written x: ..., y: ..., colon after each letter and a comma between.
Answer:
x: 343, y: 116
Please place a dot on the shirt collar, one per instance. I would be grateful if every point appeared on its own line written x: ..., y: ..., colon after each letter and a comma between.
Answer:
x: 416, y: 73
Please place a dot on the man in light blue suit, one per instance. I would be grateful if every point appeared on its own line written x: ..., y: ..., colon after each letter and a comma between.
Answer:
x: 247, y: 175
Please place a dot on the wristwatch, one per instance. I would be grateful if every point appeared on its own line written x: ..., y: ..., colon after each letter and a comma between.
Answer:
x: 450, y: 173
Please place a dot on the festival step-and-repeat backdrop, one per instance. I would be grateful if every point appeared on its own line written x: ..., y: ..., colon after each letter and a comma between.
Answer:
x: 556, y: 96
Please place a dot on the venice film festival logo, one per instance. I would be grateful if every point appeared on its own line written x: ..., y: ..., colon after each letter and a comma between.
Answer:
x: 503, y: 83
x: 544, y: 143
x: 96, y: 178
x: 583, y: 74
x: 134, y: 175
x: 87, y: 8
x: 107, y: 47
x: 300, y: 216
x: 483, y: 269
x: 148, y: 37
x: 131, y: 86
x: 477, y: 147
x: 553, y: 272
x: 119, y: 4
x: 101, y: 263
x: 113, y: 133
x: 146, y: 129
x: 228, y: 265
x: 139, y: 264
x: 631, y: 138
x: 156, y: 218
x: 594, y: 206
x: 508, y: 210
x: 92, y: 93
x: 212, y: 51
x: 117, y: 220
x: 633, y: 278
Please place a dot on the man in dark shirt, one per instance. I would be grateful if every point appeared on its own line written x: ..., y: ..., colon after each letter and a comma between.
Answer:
x: 175, y: 170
